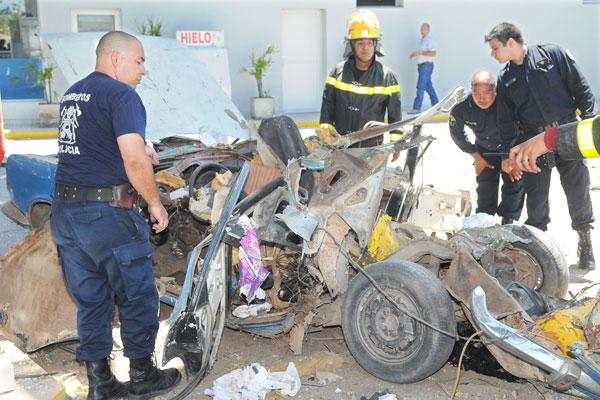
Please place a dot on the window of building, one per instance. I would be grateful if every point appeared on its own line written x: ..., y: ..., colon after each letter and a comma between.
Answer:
x: 19, y: 49
x: 382, y: 3
x: 18, y: 29
x: 95, y: 20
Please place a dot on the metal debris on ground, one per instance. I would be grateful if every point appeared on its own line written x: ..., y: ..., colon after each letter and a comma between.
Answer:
x: 380, y: 396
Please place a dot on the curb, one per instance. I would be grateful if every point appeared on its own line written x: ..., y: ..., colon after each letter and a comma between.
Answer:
x: 315, y: 124
x: 31, y: 134
x: 53, y: 134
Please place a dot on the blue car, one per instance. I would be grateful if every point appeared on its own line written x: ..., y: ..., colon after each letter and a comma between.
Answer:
x: 30, y: 180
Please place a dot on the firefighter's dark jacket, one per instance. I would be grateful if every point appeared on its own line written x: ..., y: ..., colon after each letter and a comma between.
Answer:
x: 548, y: 87
x: 579, y: 139
x: 349, y: 104
x: 482, y: 122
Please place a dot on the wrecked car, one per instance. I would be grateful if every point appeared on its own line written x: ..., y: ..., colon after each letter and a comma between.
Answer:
x: 398, y: 311
x: 340, y: 248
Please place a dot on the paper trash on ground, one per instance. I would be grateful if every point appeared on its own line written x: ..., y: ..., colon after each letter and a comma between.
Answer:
x: 254, y: 382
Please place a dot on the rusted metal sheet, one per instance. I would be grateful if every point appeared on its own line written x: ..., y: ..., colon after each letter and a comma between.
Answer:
x: 205, y: 156
x: 461, y: 278
x: 303, y: 318
x: 352, y: 186
x: 259, y: 176
x: 35, y: 307
x: 592, y: 328
x: 334, y: 272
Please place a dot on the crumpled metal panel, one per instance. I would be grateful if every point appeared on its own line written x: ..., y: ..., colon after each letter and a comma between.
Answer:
x: 592, y: 328
x: 301, y: 223
x: 351, y: 186
x: 566, y: 327
x: 484, y: 240
x: 334, y: 272
x: 35, y: 307
x: 188, y: 102
x: 461, y: 278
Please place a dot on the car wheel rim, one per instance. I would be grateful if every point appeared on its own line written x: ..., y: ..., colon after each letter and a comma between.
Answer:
x: 386, y: 332
x: 517, y: 264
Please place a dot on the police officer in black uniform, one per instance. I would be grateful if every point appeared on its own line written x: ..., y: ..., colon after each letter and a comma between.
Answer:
x: 360, y: 89
x: 478, y: 112
x: 539, y: 87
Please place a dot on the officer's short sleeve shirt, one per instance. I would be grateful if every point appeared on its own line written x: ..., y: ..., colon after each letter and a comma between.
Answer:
x: 94, y: 112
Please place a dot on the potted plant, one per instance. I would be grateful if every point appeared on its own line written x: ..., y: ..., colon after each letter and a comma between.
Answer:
x: 35, y: 77
x: 262, y: 106
x: 150, y: 27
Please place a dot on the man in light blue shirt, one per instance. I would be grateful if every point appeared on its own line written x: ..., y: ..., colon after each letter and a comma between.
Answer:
x: 424, y: 56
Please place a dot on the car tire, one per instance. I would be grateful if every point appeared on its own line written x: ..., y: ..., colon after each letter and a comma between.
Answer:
x: 545, y: 254
x: 390, y: 344
x: 39, y: 215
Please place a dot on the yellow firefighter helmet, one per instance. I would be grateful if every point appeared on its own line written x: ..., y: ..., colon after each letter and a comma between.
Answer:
x: 363, y: 24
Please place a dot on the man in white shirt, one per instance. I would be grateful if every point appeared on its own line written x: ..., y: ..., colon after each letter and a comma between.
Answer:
x: 424, y: 56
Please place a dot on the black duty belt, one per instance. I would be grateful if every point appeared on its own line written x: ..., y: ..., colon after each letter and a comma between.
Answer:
x: 532, y: 130
x: 122, y: 196
x: 68, y: 192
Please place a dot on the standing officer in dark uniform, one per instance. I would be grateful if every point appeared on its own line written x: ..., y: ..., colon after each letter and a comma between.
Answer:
x: 360, y: 89
x: 478, y: 111
x: 542, y: 86
x: 102, y: 239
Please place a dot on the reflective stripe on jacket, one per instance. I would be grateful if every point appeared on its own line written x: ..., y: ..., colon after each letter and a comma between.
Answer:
x: 348, y: 104
x: 579, y: 139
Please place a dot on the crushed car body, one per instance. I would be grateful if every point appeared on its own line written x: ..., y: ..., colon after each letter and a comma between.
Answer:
x: 340, y: 235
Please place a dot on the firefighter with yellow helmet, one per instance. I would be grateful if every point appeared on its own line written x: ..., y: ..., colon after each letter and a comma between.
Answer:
x: 360, y: 89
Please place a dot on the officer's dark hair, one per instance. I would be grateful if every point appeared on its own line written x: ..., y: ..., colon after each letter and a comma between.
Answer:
x: 504, y: 31
x: 113, y: 40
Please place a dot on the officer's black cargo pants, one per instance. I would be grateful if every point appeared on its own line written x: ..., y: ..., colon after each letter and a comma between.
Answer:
x: 511, y: 201
x: 575, y: 180
x: 106, y: 259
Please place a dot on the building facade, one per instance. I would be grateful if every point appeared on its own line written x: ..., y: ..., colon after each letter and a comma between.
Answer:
x: 309, y: 36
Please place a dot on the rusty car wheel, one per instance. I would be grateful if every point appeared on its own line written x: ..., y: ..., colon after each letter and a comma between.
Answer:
x: 39, y: 215
x: 388, y: 342
x: 539, y: 263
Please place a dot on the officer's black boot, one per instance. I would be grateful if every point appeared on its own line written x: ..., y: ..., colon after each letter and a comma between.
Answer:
x: 103, y: 384
x: 585, y: 251
x: 147, y: 381
x: 507, y: 221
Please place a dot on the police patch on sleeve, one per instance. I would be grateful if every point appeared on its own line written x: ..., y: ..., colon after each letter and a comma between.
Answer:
x: 570, y: 55
x: 451, y: 120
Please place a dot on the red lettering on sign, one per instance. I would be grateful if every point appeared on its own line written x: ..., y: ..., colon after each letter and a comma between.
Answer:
x: 195, y: 37
x: 184, y: 37
x: 207, y: 37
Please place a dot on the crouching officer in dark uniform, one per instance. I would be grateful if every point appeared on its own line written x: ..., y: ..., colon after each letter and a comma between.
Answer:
x: 573, y: 141
x: 360, y: 89
x: 102, y: 239
x: 540, y: 87
x: 478, y: 112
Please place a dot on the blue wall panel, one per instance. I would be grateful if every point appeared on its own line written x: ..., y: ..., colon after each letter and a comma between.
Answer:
x: 11, y: 90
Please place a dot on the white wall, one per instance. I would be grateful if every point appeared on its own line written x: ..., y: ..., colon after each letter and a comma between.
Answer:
x: 458, y: 28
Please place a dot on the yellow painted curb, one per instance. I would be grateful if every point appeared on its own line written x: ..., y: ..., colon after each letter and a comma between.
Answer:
x: 307, y: 124
x: 45, y: 134
x: 53, y: 134
x: 315, y: 124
